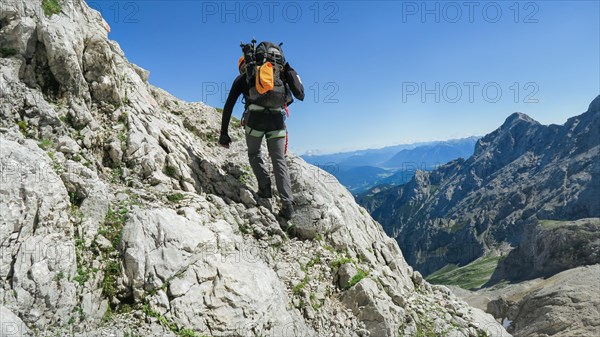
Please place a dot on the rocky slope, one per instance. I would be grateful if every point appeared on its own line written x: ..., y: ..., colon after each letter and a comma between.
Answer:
x: 549, y: 247
x: 521, y: 173
x: 566, y: 304
x: 120, y: 215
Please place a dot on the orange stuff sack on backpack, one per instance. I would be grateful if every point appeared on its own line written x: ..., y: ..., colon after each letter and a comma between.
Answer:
x: 265, y: 79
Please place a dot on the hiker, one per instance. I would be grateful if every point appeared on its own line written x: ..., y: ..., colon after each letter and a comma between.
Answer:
x: 266, y: 81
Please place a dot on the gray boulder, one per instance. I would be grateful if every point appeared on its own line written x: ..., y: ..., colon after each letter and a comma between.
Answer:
x: 209, y: 280
x: 374, y: 308
x: 11, y: 325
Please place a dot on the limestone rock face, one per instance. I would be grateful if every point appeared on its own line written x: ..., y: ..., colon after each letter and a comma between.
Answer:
x: 566, y: 304
x: 377, y: 311
x: 188, y: 263
x: 570, y: 306
x: 549, y: 247
x: 121, y: 214
x: 36, y: 235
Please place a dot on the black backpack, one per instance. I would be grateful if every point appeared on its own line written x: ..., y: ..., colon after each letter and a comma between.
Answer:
x: 257, y: 56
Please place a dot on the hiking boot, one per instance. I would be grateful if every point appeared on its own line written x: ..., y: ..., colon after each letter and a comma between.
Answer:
x: 265, y: 192
x: 287, y: 210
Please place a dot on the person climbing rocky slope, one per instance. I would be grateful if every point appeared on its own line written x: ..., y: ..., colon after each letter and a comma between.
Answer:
x: 120, y: 215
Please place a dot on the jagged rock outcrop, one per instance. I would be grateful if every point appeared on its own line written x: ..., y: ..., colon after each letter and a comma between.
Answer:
x: 520, y: 173
x: 121, y: 215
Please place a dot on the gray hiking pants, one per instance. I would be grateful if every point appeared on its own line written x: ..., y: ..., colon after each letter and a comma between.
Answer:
x: 276, y: 147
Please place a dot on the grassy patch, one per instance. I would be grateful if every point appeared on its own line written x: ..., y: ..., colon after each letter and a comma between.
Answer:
x: 426, y: 329
x: 313, y: 261
x: 7, y: 52
x: 298, y: 287
x: 551, y: 224
x: 23, y: 126
x: 244, y: 229
x: 471, y: 276
x: 107, y: 315
x: 188, y: 333
x: 112, y: 229
x: 175, y: 197
x: 113, y: 224
x: 209, y: 137
x: 361, y: 274
x: 170, y: 171
x: 329, y: 248
x: 51, y: 7
x: 75, y: 199
x: 122, y: 136
x: 55, y: 163
x: 82, y: 269
x: 112, y: 271
x: 169, y: 324
x: 316, y: 304
x: 448, y: 268
x: 77, y: 314
x: 77, y: 133
x: 246, y: 175
x: 83, y: 274
x: 117, y: 174
x: 45, y: 144
x: 341, y: 261
x: 123, y: 118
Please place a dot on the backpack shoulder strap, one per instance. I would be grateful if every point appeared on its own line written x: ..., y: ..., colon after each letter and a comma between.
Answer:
x: 293, y: 80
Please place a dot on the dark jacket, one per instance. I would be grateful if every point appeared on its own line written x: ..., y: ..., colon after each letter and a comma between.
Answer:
x: 258, y: 120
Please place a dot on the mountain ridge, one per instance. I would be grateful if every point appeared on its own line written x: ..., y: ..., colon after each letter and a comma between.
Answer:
x: 512, y: 177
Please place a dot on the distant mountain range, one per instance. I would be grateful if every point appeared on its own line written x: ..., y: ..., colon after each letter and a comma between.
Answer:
x: 430, y: 156
x: 362, y: 170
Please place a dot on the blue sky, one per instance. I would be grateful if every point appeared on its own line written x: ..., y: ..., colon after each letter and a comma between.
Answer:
x: 378, y: 73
